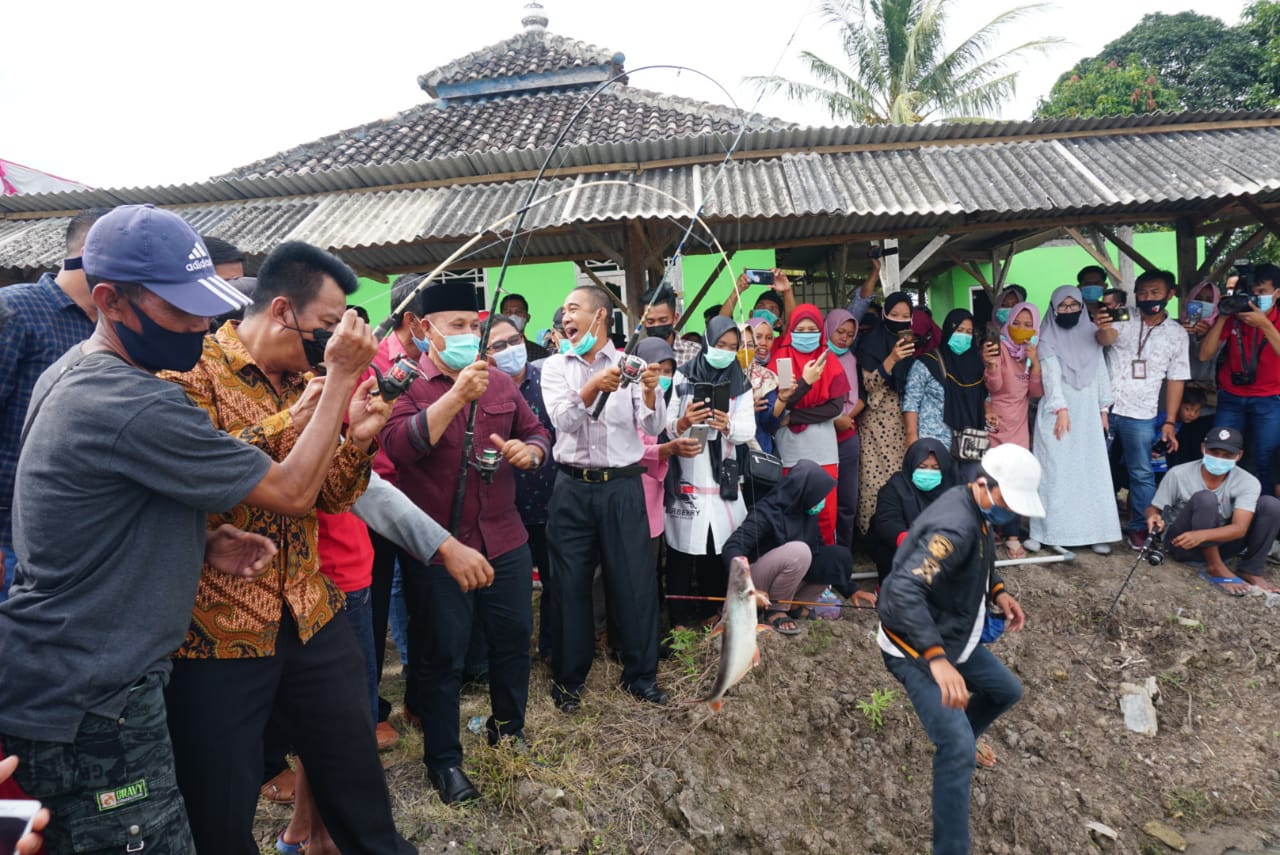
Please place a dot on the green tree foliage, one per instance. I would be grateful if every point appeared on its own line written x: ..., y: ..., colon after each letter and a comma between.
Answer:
x: 896, y: 70
x: 1260, y: 23
x: 1108, y: 89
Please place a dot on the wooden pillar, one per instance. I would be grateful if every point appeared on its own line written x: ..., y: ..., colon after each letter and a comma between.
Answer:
x: 1185, y: 233
x: 637, y: 278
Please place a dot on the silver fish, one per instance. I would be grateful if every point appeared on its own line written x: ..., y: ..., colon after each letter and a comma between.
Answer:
x: 738, y: 650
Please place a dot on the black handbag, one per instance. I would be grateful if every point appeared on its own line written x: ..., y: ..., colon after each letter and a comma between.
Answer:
x: 763, y: 467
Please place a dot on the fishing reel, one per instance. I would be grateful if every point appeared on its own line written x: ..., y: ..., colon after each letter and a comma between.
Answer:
x: 400, y: 377
x: 631, y: 367
x: 1153, y: 549
x: 486, y: 463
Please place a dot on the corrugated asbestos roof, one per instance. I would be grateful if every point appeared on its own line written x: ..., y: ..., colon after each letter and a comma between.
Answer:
x: 1148, y: 169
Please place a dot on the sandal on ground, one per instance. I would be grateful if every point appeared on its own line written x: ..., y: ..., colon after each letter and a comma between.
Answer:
x: 1013, y: 547
x: 286, y: 848
x: 986, y: 758
x: 782, y: 623
x: 803, y: 613
x: 1221, y: 582
x: 279, y: 790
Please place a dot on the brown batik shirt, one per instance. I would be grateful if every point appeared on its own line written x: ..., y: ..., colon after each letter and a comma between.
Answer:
x: 240, y: 618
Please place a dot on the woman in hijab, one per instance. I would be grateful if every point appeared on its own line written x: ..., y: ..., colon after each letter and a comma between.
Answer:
x: 842, y: 330
x: 925, y: 475
x: 1013, y: 376
x: 764, y: 383
x: 880, y: 351
x: 782, y: 541
x: 809, y: 409
x: 1070, y: 432
x: 708, y: 503
x: 1199, y: 311
x: 945, y: 391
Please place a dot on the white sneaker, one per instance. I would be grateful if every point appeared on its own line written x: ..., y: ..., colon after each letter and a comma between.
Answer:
x: 1031, y: 545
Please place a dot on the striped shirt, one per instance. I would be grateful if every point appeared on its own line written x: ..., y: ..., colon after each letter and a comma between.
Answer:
x: 610, y: 441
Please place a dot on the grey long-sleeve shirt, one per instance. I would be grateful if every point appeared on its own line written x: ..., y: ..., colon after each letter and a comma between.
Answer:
x: 393, y: 515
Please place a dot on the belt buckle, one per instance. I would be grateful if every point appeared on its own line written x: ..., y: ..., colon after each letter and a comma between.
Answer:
x: 598, y: 478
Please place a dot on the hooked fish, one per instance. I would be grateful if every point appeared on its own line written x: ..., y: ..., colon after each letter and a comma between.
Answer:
x: 738, y: 650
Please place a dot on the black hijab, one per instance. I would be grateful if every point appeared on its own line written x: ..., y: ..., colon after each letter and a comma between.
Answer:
x: 874, y: 345
x: 915, y: 500
x: 698, y: 370
x: 785, y: 509
x: 961, y: 376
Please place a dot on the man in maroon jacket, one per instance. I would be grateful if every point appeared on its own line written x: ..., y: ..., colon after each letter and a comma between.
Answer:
x: 424, y: 439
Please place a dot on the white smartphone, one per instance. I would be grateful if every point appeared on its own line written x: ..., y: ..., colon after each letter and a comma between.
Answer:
x: 700, y: 433
x: 16, y: 816
x: 786, y: 373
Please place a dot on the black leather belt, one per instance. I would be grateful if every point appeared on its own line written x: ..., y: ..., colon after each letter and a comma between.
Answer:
x: 601, y: 476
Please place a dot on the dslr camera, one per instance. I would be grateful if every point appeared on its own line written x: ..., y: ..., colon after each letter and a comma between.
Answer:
x: 881, y: 252
x: 1234, y: 304
x: 1153, y: 550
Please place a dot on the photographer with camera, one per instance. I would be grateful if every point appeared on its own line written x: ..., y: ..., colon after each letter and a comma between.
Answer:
x: 1218, y: 511
x: 1249, y: 370
x: 1148, y: 351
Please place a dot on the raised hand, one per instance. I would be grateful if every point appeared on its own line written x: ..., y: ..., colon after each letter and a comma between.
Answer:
x: 351, y: 347
x: 229, y: 550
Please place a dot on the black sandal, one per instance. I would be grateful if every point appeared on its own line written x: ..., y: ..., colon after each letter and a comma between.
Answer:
x: 778, y: 621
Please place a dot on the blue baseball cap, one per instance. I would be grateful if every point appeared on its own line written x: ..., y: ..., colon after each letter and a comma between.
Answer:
x: 158, y: 250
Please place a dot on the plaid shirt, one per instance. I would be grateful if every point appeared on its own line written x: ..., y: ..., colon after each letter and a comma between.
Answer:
x: 240, y: 618
x: 686, y: 351
x: 38, y: 323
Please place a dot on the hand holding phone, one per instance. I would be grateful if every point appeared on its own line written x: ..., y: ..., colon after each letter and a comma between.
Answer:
x: 786, y: 373
x: 813, y: 371
x: 17, y: 820
x: 757, y: 276
x: 700, y: 433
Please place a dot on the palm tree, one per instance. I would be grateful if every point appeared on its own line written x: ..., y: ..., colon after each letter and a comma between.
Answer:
x: 899, y: 71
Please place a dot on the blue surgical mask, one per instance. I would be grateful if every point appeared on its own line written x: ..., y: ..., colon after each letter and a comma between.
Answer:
x: 159, y: 349
x: 1002, y: 315
x: 512, y: 360
x: 1217, y: 465
x: 1265, y: 301
x: 960, y: 342
x: 459, y: 350
x: 806, y: 342
x: 1091, y: 293
x: 769, y: 316
x: 664, y: 383
x: 927, y: 479
x: 720, y: 359
x: 995, y: 514
x: 817, y: 509
x: 583, y: 345
x: 565, y: 347
x: 838, y: 351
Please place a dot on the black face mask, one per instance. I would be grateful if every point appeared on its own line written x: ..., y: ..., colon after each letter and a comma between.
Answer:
x: 662, y: 331
x: 1067, y: 320
x: 1151, y: 307
x: 159, y: 349
x: 312, y: 348
x: 868, y: 323
x: 896, y: 327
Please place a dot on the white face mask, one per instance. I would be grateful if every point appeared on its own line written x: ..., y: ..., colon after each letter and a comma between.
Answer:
x: 519, y: 322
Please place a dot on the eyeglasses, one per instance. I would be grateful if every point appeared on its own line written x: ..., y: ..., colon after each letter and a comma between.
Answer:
x: 1068, y: 306
x: 503, y: 343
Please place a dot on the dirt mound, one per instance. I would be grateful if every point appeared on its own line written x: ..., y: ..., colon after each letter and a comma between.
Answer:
x: 818, y: 750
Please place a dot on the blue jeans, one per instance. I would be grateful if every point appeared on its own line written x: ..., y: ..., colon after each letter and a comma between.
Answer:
x: 359, y: 609
x: 1136, y: 438
x: 955, y: 734
x: 10, y: 564
x: 1259, y: 420
x: 399, y: 617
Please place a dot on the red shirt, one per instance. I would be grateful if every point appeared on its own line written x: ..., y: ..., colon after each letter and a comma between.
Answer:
x: 1267, y: 382
x: 346, y: 553
x: 389, y: 350
x: 428, y: 474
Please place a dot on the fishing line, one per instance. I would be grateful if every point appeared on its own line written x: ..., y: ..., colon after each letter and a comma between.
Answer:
x: 783, y: 602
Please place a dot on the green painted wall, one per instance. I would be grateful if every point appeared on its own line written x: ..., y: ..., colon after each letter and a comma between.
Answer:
x: 1045, y: 268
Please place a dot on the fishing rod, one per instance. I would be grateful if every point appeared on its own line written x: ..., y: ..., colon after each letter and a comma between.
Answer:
x: 783, y: 602
x: 1153, y: 554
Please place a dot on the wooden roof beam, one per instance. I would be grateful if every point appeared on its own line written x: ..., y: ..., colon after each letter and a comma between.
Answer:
x: 1097, y: 255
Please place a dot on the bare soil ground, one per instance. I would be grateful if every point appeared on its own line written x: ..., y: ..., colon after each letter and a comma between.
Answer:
x: 796, y: 762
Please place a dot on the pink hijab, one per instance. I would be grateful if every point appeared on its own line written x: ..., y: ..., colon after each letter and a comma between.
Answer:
x: 1019, y: 351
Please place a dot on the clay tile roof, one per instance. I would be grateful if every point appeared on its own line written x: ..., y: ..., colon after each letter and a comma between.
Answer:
x: 531, y: 52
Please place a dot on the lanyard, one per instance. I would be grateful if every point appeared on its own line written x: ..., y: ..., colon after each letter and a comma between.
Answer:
x: 1142, y: 340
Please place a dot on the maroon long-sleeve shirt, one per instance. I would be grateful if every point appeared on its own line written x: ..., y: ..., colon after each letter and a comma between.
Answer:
x: 428, y: 474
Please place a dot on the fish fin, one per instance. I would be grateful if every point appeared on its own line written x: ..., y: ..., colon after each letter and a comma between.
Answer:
x: 755, y: 659
x: 718, y: 629
x: 716, y: 705
x: 763, y: 627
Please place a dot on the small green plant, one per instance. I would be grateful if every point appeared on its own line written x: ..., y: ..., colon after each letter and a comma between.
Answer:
x: 874, y: 709
x: 820, y: 637
x: 1191, y: 803
x: 683, y: 643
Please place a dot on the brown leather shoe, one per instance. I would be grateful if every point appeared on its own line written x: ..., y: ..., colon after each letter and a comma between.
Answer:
x: 279, y: 790
x: 410, y: 719
x: 387, y: 736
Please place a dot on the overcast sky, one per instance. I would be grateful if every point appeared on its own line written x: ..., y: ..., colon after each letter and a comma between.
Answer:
x: 152, y: 93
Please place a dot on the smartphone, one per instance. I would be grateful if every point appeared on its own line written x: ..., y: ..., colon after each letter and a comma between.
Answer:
x: 700, y: 433
x: 756, y: 276
x: 992, y: 335
x: 15, y: 821
x: 786, y: 372
x: 907, y: 336
x: 1119, y: 314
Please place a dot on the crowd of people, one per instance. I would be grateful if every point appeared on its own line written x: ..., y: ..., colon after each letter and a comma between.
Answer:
x: 258, y: 502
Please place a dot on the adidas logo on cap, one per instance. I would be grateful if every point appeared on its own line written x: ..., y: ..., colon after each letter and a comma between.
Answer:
x: 199, y: 258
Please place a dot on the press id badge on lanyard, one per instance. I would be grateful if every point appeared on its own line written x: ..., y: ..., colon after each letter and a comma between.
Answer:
x: 1139, y: 369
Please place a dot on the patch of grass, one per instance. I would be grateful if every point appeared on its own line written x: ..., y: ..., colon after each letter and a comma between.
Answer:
x: 683, y: 643
x: 874, y: 709
x: 1188, y: 802
x: 819, y: 638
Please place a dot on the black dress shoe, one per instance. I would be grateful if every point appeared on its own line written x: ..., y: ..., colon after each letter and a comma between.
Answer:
x: 453, y: 785
x: 569, y: 704
x: 649, y: 692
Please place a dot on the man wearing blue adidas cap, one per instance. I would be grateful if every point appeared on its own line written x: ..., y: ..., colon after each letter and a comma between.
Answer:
x: 116, y: 476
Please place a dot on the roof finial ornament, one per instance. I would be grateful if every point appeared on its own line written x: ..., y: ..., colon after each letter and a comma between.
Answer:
x: 535, y: 19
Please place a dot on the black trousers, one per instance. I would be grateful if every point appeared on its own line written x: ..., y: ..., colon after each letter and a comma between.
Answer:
x: 1202, y: 513
x: 541, y: 560
x: 440, y: 621
x: 385, y: 554
x: 218, y: 709
x: 604, y: 524
x: 696, y: 575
